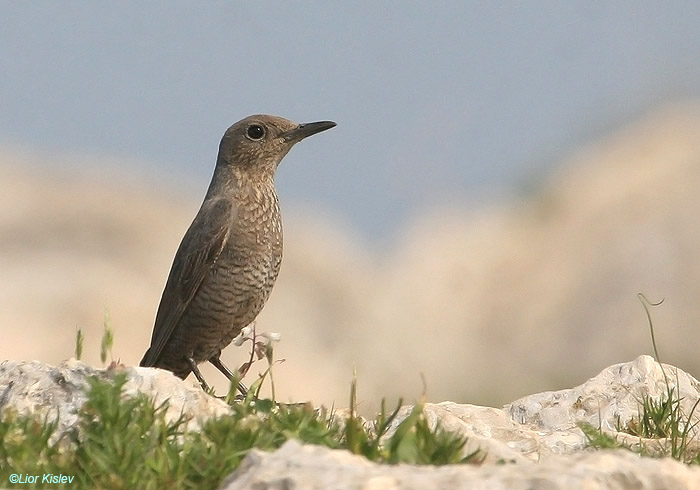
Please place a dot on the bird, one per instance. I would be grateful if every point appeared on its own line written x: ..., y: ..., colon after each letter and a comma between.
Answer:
x: 229, y: 258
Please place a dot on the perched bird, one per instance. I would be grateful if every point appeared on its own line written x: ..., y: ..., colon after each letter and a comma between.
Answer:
x: 229, y: 258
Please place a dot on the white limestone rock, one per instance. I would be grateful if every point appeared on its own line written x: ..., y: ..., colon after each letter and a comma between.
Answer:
x: 317, y: 468
x: 32, y: 387
x: 543, y: 424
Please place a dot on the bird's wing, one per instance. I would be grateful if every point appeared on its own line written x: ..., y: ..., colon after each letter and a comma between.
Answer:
x: 200, y: 247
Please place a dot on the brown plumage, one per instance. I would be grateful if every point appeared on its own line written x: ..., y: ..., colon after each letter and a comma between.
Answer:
x: 229, y: 258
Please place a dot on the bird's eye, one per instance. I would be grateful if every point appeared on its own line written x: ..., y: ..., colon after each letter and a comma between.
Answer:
x: 255, y: 132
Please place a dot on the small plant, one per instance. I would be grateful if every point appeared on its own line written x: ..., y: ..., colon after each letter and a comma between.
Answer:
x: 663, y: 418
x: 413, y: 441
x: 261, y: 348
x: 107, y: 337
x: 79, y: 340
x: 599, y: 439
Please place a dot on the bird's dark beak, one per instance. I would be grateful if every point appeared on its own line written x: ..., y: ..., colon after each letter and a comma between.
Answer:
x: 307, y: 129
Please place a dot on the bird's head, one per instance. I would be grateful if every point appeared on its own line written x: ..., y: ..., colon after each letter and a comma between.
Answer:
x: 258, y: 143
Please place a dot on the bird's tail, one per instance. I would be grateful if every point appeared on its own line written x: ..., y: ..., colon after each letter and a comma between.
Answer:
x: 146, y: 362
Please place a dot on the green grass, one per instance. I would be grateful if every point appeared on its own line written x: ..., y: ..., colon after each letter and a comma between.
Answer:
x: 126, y: 442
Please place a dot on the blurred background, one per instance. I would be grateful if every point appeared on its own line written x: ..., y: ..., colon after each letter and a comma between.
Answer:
x: 504, y: 179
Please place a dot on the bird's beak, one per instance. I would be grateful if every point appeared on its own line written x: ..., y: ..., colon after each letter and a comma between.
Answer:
x: 307, y: 129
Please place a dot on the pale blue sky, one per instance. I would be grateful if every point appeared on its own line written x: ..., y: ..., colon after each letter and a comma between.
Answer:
x: 436, y: 102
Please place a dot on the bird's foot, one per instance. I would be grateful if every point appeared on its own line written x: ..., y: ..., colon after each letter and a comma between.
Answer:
x: 198, y: 375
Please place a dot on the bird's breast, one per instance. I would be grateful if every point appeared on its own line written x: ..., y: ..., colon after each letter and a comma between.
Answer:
x: 251, y: 259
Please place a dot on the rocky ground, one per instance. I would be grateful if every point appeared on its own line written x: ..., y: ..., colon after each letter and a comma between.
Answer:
x: 532, y: 443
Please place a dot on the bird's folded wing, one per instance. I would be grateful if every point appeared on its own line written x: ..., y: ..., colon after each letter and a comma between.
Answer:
x: 200, y: 247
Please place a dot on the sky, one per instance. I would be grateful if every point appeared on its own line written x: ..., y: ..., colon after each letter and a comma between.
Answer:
x: 437, y: 103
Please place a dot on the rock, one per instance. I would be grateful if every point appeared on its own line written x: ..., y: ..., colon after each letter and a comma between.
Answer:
x: 489, y: 429
x: 313, y: 467
x: 60, y: 391
x: 537, y: 426
x: 607, y: 401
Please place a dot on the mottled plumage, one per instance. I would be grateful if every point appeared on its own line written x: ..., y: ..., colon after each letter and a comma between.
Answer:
x: 229, y: 258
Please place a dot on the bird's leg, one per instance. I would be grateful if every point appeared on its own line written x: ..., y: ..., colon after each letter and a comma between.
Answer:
x: 198, y: 374
x: 216, y: 361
